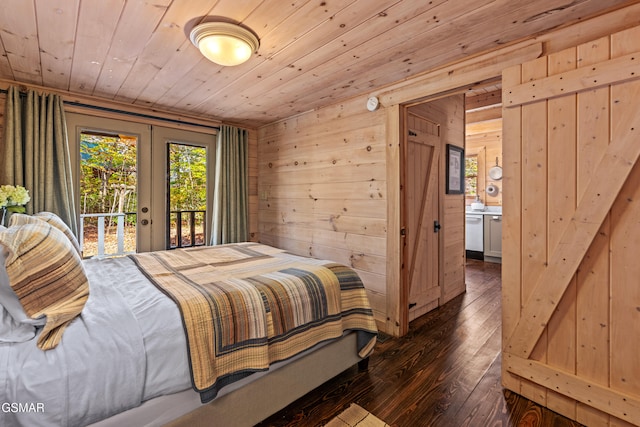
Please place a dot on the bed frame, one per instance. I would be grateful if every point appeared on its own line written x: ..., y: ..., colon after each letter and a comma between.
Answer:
x: 259, y: 399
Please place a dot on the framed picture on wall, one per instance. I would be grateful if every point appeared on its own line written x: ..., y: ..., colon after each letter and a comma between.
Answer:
x: 455, y: 170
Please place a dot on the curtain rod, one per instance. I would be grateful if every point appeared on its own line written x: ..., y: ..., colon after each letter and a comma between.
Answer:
x: 130, y: 113
x: 141, y: 115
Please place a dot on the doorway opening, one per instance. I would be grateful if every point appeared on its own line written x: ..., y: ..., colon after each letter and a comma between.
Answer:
x: 483, y: 173
x: 469, y: 119
x: 432, y: 205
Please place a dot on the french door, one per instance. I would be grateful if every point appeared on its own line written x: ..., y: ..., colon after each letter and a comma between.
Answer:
x: 123, y: 182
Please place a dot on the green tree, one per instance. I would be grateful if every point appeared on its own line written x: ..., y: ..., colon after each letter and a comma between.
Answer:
x: 108, y: 173
x: 188, y: 177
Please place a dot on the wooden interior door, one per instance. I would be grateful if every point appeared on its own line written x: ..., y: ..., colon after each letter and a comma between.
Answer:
x: 571, y: 235
x: 421, y: 211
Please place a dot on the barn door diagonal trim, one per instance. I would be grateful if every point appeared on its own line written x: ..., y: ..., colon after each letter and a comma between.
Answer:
x: 600, y: 194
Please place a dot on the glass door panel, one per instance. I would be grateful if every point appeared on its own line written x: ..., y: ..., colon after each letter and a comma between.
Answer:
x: 108, y: 193
x: 187, y: 188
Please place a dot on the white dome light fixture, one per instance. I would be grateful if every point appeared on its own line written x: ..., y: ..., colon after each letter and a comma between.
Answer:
x: 224, y: 43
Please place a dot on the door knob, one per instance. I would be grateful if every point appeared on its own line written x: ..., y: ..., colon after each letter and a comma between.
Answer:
x: 144, y: 222
x: 436, y: 226
x: 145, y: 209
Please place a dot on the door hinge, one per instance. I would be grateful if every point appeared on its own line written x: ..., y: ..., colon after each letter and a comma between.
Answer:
x: 412, y: 304
x: 436, y: 226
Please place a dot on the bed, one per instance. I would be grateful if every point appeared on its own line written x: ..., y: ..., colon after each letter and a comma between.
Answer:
x: 133, y: 352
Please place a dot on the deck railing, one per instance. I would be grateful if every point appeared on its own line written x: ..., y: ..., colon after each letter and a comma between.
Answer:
x: 101, y: 217
x: 195, y: 237
x: 192, y: 220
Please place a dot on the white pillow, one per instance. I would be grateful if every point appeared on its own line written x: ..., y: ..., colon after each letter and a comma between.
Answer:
x: 12, y: 331
x: 15, y: 325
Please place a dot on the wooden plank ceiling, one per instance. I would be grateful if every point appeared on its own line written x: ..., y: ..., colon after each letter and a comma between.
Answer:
x: 312, y: 52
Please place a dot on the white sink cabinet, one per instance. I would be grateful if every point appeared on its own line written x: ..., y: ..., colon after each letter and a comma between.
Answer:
x: 493, y: 238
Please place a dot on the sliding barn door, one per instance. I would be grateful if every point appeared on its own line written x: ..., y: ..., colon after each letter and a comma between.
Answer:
x: 422, y: 153
x: 571, y: 231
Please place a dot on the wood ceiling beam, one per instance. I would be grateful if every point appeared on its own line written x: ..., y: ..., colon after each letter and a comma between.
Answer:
x: 493, y: 113
x: 484, y: 100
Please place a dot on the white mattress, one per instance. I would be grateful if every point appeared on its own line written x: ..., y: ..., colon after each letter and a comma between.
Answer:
x: 163, y: 409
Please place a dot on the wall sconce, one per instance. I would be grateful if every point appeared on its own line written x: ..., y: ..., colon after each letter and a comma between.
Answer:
x: 224, y: 43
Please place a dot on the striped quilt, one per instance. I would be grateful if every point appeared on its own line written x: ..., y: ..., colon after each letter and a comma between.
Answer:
x: 245, y: 306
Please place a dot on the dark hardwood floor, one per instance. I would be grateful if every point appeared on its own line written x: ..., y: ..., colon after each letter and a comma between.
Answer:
x: 444, y: 372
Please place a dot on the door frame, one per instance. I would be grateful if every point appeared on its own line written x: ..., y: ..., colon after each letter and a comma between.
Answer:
x: 404, y: 271
x: 397, y: 248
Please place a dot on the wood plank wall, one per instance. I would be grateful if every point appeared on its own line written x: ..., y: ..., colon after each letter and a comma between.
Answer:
x: 323, y: 186
x: 322, y: 190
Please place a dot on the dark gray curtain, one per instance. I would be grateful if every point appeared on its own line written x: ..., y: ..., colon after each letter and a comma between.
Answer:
x: 35, y: 153
x: 231, y: 193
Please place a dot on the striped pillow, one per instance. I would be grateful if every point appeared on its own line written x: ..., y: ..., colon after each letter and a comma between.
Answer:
x: 46, y: 273
x: 51, y: 218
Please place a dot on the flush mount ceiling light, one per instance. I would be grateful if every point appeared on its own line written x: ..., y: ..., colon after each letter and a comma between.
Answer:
x: 224, y: 43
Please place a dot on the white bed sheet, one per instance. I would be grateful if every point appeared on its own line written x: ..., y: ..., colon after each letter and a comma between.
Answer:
x: 99, y: 368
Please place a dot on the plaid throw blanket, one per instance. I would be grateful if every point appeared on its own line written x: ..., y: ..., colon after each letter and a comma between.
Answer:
x: 245, y: 306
